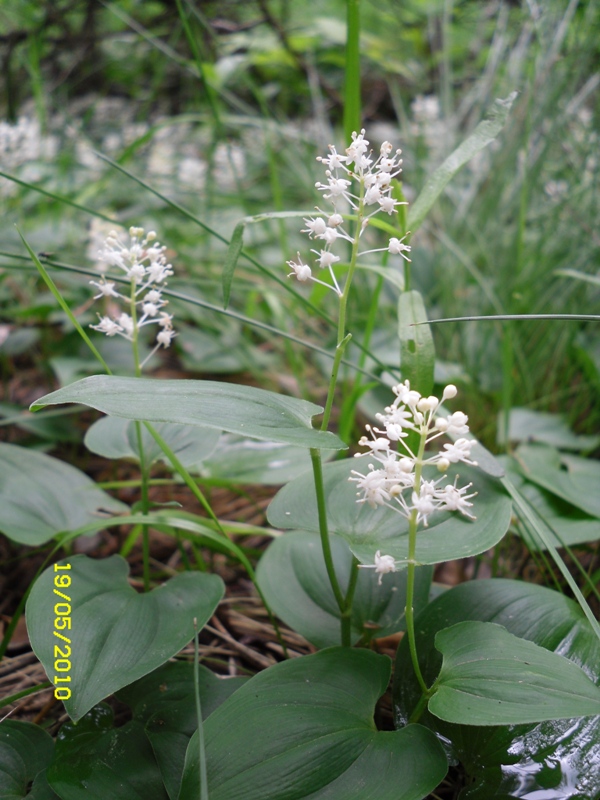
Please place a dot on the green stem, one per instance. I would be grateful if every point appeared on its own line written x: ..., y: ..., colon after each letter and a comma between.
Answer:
x: 420, y: 707
x: 410, y: 577
x: 198, y: 494
x: 144, y: 468
x: 347, y: 612
x: 344, y: 603
x: 315, y: 456
x: 144, y: 475
x: 201, y: 749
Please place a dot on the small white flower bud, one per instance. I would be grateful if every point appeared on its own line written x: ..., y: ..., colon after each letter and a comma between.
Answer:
x: 449, y: 392
x: 443, y: 464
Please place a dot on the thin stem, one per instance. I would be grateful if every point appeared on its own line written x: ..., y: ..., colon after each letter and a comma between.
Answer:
x: 198, y: 494
x: 315, y: 456
x: 410, y: 577
x: 201, y: 751
x: 144, y: 475
x: 347, y: 613
x: 144, y: 468
x: 420, y: 707
x: 344, y: 603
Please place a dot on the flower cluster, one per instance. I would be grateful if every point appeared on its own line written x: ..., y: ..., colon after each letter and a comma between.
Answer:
x: 145, y: 265
x: 360, y: 184
x: 398, y: 482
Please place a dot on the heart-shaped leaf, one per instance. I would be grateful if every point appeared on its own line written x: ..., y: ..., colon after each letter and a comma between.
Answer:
x: 369, y: 529
x: 96, y: 761
x: 25, y: 752
x: 230, y: 407
x: 115, y: 437
x: 41, y: 497
x: 508, y: 760
x: 490, y: 677
x: 304, y: 729
x: 293, y: 578
x: 113, y: 634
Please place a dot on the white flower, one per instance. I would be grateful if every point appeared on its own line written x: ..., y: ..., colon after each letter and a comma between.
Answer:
x: 454, y: 499
x: 302, y: 271
x: 164, y: 337
x: 460, y: 450
x: 457, y: 423
x: 150, y: 309
x: 401, y: 472
x: 373, y: 485
x: 154, y: 296
x: 165, y: 320
x: 107, y: 289
x: 388, y: 204
x: 396, y: 247
x: 107, y: 326
x: 314, y: 227
x: 382, y: 565
x: 136, y: 272
x: 326, y: 259
x: 126, y: 322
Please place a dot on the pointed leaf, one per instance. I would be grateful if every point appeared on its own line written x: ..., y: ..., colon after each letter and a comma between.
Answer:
x: 304, y: 729
x: 369, y: 529
x: 293, y: 578
x: 161, y: 700
x: 25, y: 752
x: 96, y: 761
x: 240, y: 460
x: 41, y: 497
x: 506, y: 758
x: 245, y: 410
x: 233, y: 253
x: 417, y: 352
x: 115, y: 437
x: 573, y: 478
x: 490, y: 677
x: 484, y: 134
x: 526, y: 425
x: 115, y: 635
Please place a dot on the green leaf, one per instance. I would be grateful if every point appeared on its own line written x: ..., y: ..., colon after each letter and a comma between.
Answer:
x: 490, y: 677
x: 526, y: 425
x: 41, y: 497
x: 233, y: 253
x: 484, y: 134
x: 504, y: 759
x: 567, y: 525
x: 417, y: 352
x: 369, y: 529
x: 573, y: 478
x: 25, y: 752
x: 115, y: 634
x: 96, y: 761
x: 304, y: 729
x: 115, y: 437
x: 240, y: 460
x: 161, y: 700
x: 293, y: 578
x: 244, y: 410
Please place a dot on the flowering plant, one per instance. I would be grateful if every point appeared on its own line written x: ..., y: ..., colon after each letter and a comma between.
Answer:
x: 144, y: 264
x: 323, y: 573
